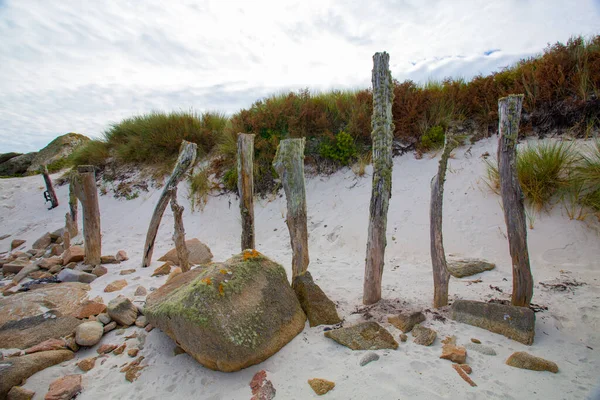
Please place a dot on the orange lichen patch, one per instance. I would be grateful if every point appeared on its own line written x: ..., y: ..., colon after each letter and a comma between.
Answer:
x: 250, y: 254
x: 206, y: 281
x: 223, y: 271
x: 221, y: 289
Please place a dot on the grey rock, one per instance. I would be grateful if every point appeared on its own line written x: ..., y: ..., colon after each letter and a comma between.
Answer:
x: 468, y: 267
x: 104, y: 318
x: 423, y: 336
x: 122, y: 310
x: 89, y: 333
x: 481, y: 348
x: 110, y: 326
x: 141, y: 321
x: 406, y: 321
x: 71, y: 275
x: 17, y: 166
x: 367, y: 358
x: 363, y: 336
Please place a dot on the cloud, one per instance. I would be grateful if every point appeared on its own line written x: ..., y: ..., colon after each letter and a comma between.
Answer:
x: 73, y: 66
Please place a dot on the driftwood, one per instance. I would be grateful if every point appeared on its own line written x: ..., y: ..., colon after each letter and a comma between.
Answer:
x: 509, y: 109
x: 49, y: 194
x: 187, y: 156
x: 245, y: 170
x: 289, y: 165
x: 71, y: 217
x: 183, y: 254
x: 84, y: 187
x: 382, y: 136
x: 441, y: 275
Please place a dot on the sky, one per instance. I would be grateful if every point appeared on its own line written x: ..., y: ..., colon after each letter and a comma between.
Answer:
x: 78, y: 66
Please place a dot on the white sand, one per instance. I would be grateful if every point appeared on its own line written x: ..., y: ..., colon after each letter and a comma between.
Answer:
x: 337, y: 216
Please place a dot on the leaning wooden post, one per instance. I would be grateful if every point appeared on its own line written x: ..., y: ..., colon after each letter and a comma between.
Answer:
x: 187, y: 156
x: 289, y: 165
x: 245, y: 170
x: 84, y: 187
x: 509, y: 109
x: 441, y: 275
x: 382, y: 136
x: 49, y: 194
x: 183, y: 254
x: 71, y: 216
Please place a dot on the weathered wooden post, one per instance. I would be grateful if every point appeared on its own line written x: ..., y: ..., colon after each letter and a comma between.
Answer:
x: 183, y: 254
x: 185, y: 161
x: 289, y: 165
x: 71, y: 223
x: 245, y: 170
x: 84, y: 187
x: 509, y: 110
x: 441, y: 275
x: 49, y: 194
x: 382, y: 136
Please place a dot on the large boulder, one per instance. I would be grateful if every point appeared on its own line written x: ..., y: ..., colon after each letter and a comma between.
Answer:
x: 30, y: 331
x: 199, y: 253
x: 315, y: 303
x: 517, y: 323
x: 468, y: 266
x: 230, y: 315
x: 16, y: 166
x: 14, y: 370
x: 57, y: 150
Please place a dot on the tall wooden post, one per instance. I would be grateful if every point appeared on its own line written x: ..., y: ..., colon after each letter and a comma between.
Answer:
x: 49, y: 194
x: 183, y: 254
x: 185, y: 161
x: 441, y: 275
x: 382, y: 136
x: 245, y: 170
x: 84, y: 187
x: 509, y: 110
x: 289, y: 165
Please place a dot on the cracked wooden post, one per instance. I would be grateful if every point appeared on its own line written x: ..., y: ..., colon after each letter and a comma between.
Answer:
x: 183, y: 254
x: 84, y: 187
x: 71, y: 223
x: 382, y: 136
x: 509, y: 110
x: 289, y: 165
x: 49, y: 194
x: 441, y: 275
x: 185, y: 161
x: 245, y: 170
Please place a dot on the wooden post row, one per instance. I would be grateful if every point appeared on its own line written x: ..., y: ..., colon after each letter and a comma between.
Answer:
x: 245, y: 171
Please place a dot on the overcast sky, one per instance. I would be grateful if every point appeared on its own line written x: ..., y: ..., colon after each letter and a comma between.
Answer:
x: 77, y: 66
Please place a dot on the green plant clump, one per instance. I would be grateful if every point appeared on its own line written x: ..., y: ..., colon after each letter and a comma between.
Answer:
x: 342, y: 150
x: 433, y: 138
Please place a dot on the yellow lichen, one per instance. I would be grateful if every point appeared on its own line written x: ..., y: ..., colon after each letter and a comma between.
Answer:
x: 223, y: 271
x: 250, y: 254
x: 206, y: 281
x: 221, y: 289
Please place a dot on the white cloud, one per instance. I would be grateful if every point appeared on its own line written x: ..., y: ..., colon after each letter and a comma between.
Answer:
x: 77, y: 66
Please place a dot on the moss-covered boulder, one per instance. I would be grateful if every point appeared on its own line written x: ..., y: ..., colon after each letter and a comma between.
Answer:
x: 230, y: 315
x: 57, y: 151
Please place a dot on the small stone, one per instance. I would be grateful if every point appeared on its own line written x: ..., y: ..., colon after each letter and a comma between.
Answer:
x: 127, y: 271
x: 70, y: 275
x: 87, y: 364
x: 56, y: 249
x: 100, y: 270
x: 132, y: 370
x: 423, y: 336
x: 106, y: 348
x: 119, y: 350
x: 89, y: 333
x: 48, y: 263
x: 141, y: 321
x: 176, y: 271
x: 164, y: 269
x: 110, y: 326
x: 363, y: 336
x: 71, y: 343
x: 20, y: 393
x: 108, y: 260
x: 40, y: 275
x: 42, y: 242
x: 481, y: 348
x: 321, y: 386
x: 403, y: 337
x: 64, y: 388
x: 89, y: 308
x: 73, y: 254
x: 55, y: 269
x: 71, y: 265
x: 367, y: 358
x: 140, y: 291
x: 115, y: 286
x: 123, y: 311
x: 133, y: 352
x: 121, y: 256
x: 524, y: 360
x: 452, y: 352
x: 262, y: 388
x: 468, y: 267
x: 16, y: 243
x: 466, y: 367
x: 149, y: 328
x: 84, y: 268
x: 477, y: 341
x: 104, y: 318
x: 178, y: 350
x: 406, y: 321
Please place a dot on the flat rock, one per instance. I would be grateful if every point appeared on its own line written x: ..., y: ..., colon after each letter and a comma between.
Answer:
x: 89, y: 308
x: 16, y: 243
x: 106, y: 348
x: 73, y: 254
x: 316, y: 305
x: 321, y: 386
x: 199, y: 253
x: 140, y: 291
x: 71, y: 275
x: 87, y: 364
x: 110, y: 259
x: 452, y: 352
x: 47, y: 345
x: 20, y: 393
x: 127, y: 271
x: 100, y: 270
x: 16, y: 369
x: 65, y: 388
x: 423, y: 336
x: 42, y: 242
x: 363, y: 336
x: 406, y: 321
x: 110, y: 326
x: 517, y: 323
x: 164, y: 269
x: 47, y: 263
x: 14, y: 267
x: 468, y: 267
x: 122, y: 310
x: 31, y: 331
x: 115, y: 286
x: 481, y: 348
x: 141, y: 321
x: 89, y: 333
x: 367, y: 358
x: 103, y: 318
x: 524, y: 360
